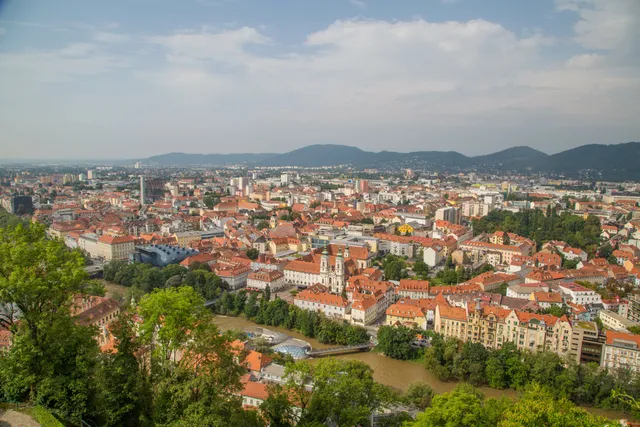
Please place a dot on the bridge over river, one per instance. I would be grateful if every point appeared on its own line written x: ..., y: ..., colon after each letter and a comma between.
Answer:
x: 333, y: 351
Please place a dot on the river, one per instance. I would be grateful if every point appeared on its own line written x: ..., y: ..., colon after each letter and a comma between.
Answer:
x: 391, y: 372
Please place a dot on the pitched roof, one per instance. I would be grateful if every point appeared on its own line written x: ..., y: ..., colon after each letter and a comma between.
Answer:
x: 324, y: 298
x: 255, y: 360
x: 254, y: 390
x: 456, y: 313
x: 404, y: 310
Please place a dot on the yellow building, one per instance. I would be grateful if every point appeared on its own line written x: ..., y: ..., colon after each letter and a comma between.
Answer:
x: 405, y: 229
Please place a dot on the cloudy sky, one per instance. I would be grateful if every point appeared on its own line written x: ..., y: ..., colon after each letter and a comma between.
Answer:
x: 130, y: 78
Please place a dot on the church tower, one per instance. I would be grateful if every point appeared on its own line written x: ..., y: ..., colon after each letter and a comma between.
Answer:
x: 346, y: 252
x: 339, y: 273
x: 273, y: 222
x: 324, y: 262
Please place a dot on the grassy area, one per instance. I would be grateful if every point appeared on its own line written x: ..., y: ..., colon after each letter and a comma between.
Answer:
x: 39, y: 413
x: 42, y: 416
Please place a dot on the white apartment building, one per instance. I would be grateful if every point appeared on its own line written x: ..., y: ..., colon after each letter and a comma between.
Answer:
x: 262, y: 278
x: 578, y: 294
x: 621, y: 351
x: 615, y: 321
x: 317, y: 299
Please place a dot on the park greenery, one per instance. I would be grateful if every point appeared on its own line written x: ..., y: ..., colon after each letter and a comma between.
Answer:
x: 465, y: 406
x: 395, y: 342
x: 542, y: 227
x: 144, y: 278
x: 584, y: 384
x: 10, y: 221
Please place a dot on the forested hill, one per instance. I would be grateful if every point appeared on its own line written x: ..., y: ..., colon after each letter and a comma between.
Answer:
x: 599, y: 161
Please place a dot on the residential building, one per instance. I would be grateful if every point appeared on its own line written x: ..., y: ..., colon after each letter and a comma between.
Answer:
x: 317, y: 298
x: 615, y: 321
x: 547, y: 299
x: 450, y: 214
x: 262, y: 278
x: 578, y: 294
x: 621, y: 351
x: 586, y: 342
x: 524, y: 290
x: 414, y: 289
x: 406, y: 314
x: 235, y: 275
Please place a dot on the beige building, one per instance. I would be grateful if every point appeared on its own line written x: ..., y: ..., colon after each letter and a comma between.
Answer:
x: 185, y: 237
x: 621, y: 351
x: 615, y: 321
x: 493, y: 326
x: 262, y: 278
x: 107, y: 247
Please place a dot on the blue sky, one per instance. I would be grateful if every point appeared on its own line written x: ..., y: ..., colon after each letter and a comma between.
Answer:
x: 131, y: 78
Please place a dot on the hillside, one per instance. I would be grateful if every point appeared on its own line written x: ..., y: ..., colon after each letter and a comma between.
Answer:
x: 618, y: 161
x: 597, y: 161
x: 510, y: 155
x: 321, y: 155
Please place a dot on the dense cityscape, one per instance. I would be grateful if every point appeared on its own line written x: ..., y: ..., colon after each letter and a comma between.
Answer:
x: 336, y: 213
x: 249, y: 294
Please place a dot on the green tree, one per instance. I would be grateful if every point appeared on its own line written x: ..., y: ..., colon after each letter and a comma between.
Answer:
x: 496, y: 374
x: 40, y: 371
x: 419, y: 394
x: 251, y: 306
x: 37, y: 276
x: 168, y: 317
x: 537, y: 407
x: 252, y: 253
x: 349, y: 382
x: 277, y: 409
x: 419, y: 267
x: 202, y: 388
x: 463, y: 406
x: 395, y: 342
x: 122, y: 384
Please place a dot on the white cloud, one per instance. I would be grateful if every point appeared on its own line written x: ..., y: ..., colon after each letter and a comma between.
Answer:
x: 606, y: 24
x: 108, y: 37
x: 358, y: 3
x: 587, y: 60
x: 411, y: 84
x: 56, y: 65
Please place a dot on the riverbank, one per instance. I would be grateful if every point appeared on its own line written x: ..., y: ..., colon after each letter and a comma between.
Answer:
x: 390, y: 372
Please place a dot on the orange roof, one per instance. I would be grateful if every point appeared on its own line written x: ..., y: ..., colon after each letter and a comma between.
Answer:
x: 254, y: 390
x: 364, y: 302
x: 202, y: 258
x: 528, y: 317
x: 550, y: 297
x: 404, y: 310
x: 255, y: 360
x: 414, y: 285
x: 322, y: 298
x: 449, y: 312
x: 613, y: 336
x: 303, y: 267
x: 110, y: 240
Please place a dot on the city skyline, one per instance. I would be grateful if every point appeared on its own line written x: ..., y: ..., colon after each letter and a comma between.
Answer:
x: 121, y: 81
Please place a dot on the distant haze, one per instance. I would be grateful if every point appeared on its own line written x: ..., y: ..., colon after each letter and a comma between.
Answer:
x: 135, y: 79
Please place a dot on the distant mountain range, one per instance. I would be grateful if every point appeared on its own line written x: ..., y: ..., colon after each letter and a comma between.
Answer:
x: 614, y: 162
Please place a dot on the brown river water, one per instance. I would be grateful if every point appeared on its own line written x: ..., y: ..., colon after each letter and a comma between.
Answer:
x: 391, y: 372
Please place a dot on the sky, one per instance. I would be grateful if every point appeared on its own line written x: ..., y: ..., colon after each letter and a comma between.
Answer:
x: 93, y: 79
